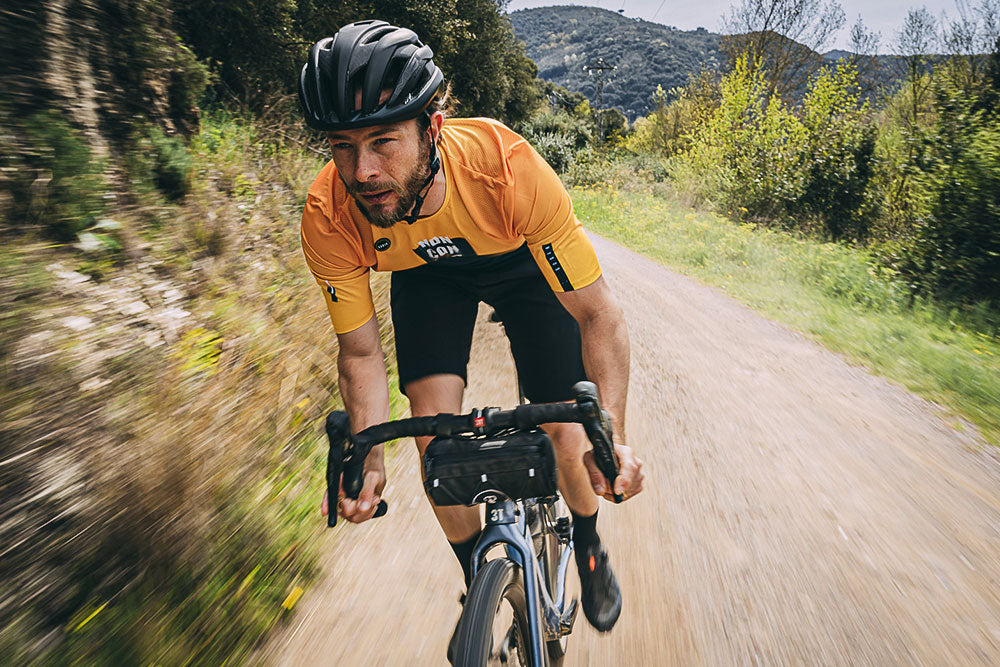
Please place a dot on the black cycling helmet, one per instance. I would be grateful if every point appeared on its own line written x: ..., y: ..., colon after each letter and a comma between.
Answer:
x: 373, y: 56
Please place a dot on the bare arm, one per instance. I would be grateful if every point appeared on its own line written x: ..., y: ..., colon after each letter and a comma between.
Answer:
x: 606, y: 359
x: 605, y: 346
x: 365, y: 390
x: 363, y: 383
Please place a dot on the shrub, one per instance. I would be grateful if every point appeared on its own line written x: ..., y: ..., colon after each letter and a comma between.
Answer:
x: 745, y: 158
x: 54, y: 181
x: 754, y: 158
x: 576, y: 127
x: 956, y: 250
x: 838, y: 156
x: 668, y: 129
x: 171, y: 164
x: 557, y: 149
x: 557, y: 136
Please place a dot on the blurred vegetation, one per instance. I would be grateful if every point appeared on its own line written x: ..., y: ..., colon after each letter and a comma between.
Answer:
x: 162, y: 459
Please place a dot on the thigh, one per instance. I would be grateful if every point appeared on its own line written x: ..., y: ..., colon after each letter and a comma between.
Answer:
x: 433, y: 319
x: 544, y: 339
x: 433, y: 394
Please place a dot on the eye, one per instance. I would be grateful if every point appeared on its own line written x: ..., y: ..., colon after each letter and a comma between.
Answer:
x: 341, y: 146
x: 381, y: 141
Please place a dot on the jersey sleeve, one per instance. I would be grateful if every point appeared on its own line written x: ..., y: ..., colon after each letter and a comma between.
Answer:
x: 543, y: 214
x: 345, y: 284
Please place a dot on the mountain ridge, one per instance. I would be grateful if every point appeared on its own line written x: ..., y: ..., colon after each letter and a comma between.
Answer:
x: 562, y: 39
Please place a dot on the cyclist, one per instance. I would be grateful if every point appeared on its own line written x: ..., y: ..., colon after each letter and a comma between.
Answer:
x: 460, y: 211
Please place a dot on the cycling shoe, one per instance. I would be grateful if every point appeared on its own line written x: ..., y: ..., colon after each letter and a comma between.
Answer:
x: 600, y: 595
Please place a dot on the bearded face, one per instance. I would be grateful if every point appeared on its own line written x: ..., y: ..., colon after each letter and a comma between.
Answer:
x: 383, y: 167
x: 375, y: 198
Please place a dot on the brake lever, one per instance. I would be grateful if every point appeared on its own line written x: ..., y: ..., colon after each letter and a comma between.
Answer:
x: 339, y: 462
x: 338, y: 425
x: 599, y: 432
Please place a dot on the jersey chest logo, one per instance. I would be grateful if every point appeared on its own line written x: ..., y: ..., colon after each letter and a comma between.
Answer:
x: 443, y: 247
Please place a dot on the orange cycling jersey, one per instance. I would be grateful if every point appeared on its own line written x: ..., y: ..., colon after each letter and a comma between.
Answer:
x: 499, y: 194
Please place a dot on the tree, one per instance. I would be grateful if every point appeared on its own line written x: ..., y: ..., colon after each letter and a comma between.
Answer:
x: 972, y: 42
x: 914, y: 41
x: 258, y: 46
x: 783, y: 37
x: 863, y: 45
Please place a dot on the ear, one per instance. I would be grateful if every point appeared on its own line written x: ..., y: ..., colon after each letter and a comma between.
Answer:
x: 437, y: 120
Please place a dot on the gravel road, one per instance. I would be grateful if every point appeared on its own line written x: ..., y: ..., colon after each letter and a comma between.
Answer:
x: 798, y: 511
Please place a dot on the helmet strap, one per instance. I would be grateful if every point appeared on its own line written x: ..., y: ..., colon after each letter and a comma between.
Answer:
x: 425, y: 188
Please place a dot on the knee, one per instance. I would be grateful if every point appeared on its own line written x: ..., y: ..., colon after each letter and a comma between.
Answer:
x: 569, y: 440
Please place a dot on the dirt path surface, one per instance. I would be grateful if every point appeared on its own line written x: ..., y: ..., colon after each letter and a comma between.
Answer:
x: 798, y: 511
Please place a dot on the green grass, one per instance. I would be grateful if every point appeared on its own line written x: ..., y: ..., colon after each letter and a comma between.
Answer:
x: 829, y: 291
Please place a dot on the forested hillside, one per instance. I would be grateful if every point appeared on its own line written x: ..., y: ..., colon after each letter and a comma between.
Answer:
x: 561, y: 40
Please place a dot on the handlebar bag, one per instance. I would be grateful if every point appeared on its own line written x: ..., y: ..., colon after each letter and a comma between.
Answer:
x: 514, y: 465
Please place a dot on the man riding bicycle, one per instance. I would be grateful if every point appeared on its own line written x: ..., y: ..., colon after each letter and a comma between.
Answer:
x: 460, y: 211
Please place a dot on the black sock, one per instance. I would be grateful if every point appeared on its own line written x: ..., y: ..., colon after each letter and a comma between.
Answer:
x: 463, y: 551
x: 584, y: 535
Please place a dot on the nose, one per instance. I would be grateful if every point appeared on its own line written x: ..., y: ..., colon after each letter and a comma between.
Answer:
x: 367, y: 166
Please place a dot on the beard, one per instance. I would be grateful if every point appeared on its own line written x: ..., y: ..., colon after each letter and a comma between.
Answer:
x: 406, y: 193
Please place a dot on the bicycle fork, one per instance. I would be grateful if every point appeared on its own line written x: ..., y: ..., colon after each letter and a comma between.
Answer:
x: 506, y: 526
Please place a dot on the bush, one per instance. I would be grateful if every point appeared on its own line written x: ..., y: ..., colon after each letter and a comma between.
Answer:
x: 557, y: 149
x: 53, y: 180
x: 746, y: 157
x: 755, y: 159
x: 577, y: 128
x: 956, y: 250
x: 557, y: 136
x: 171, y: 164
x: 668, y: 129
x: 839, y: 155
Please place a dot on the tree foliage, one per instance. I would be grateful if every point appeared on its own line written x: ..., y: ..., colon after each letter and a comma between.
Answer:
x: 758, y: 159
x: 783, y: 37
x: 258, y: 46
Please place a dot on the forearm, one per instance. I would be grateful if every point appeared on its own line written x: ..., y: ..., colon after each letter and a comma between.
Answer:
x: 364, y: 389
x: 606, y: 360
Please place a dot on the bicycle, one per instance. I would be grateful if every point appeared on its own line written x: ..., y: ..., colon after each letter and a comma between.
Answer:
x: 499, y: 458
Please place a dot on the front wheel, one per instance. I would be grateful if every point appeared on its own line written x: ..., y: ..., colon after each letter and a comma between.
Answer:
x: 493, y: 629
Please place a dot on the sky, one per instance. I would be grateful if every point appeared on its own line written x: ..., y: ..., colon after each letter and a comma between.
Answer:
x: 882, y: 16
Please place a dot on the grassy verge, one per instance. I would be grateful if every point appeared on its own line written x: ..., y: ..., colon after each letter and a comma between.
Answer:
x: 160, y: 422
x: 828, y: 291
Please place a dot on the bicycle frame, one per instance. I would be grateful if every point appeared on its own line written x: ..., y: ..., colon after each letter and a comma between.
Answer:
x: 506, y: 525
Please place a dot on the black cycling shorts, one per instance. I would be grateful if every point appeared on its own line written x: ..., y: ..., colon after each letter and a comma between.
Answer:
x: 434, y: 311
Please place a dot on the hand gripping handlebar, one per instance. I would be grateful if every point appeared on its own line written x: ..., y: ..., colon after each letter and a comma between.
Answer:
x: 341, y: 460
x: 599, y: 431
x: 348, y: 452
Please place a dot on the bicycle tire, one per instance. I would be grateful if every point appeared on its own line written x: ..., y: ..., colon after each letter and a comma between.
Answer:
x: 500, y: 580
x: 550, y: 565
